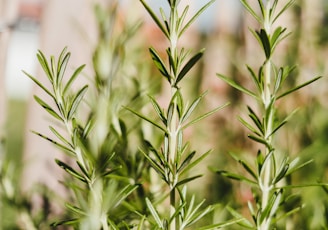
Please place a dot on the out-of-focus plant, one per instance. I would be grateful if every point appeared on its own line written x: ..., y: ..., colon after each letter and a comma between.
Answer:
x: 92, y: 132
x: 268, y: 178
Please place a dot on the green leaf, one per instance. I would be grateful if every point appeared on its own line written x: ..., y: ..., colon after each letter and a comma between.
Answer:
x: 183, y: 16
x: 45, y: 66
x: 248, y: 168
x: 160, y: 64
x: 76, y: 101
x: 158, y: 155
x: 65, y: 222
x: 186, y: 161
x: 170, y: 112
x: 72, y: 78
x: 75, y: 209
x: 66, y: 149
x: 70, y: 170
x: 195, y: 17
x: 60, y: 137
x: 124, y: 193
x: 154, y: 213
x: 286, y: 6
x: 180, y: 104
x: 48, y: 108
x: 276, y: 37
x: 237, y: 86
x: 298, y: 87
x: 265, y: 43
x: 294, y: 166
x: 259, y: 140
x: 235, y: 176
x: 272, y: 206
x: 194, y: 163
x: 146, y: 119
x: 251, y: 11
x: 221, y: 225
x: 278, y: 80
x: 284, y: 166
x: 204, y: 116
x: 83, y: 169
x: 62, y: 66
x: 155, y: 165
x: 256, y: 119
x: 263, y: 10
x: 188, y: 66
x: 187, y: 180
x: 255, y: 79
x: 192, y: 107
x: 155, y: 18
x: 172, y: 62
x: 242, y: 220
x: 249, y: 126
x: 39, y: 84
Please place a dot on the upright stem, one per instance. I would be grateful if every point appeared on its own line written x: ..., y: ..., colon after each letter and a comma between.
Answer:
x: 172, y: 159
x: 266, y: 183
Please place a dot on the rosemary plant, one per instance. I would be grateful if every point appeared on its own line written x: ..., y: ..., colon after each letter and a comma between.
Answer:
x: 96, y: 142
x: 173, y: 160
x: 267, y: 178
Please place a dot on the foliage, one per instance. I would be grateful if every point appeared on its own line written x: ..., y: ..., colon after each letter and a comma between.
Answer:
x: 130, y: 160
x: 269, y: 177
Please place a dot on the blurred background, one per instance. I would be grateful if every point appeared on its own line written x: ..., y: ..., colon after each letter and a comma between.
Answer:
x: 50, y: 25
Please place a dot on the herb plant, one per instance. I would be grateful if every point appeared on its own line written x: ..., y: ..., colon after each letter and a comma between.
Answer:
x: 92, y: 132
x: 119, y: 176
x: 268, y: 177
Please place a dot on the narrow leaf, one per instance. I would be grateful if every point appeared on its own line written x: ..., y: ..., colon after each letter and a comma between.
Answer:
x: 39, y: 84
x: 298, y: 87
x: 235, y: 176
x: 70, y: 170
x: 45, y: 66
x: 248, y: 126
x: 221, y: 225
x: 204, y: 116
x: 255, y: 78
x: 72, y: 78
x: 62, y: 68
x: 265, y: 43
x: 146, y: 119
x: 154, y: 213
x: 195, y: 17
x: 155, y: 18
x: 76, y: 101
x: 237, y: 86
x: 191, y: 108
x: 47, y: 108
x: 188, y: 66
x: 187, y: 180
x: 251, y: 11
x: 66, y: 149
x: 60, y: 137
x: 159, y: 64
x: 194, y: 163
x: 186, y: 161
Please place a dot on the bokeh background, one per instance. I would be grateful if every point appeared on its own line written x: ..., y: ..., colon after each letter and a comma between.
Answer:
x: 50, y: 25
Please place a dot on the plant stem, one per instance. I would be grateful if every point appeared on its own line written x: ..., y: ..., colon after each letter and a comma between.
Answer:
x: 267, y: 100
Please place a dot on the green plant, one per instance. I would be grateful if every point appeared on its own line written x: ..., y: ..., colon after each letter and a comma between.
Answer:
x: 173, y: 160
x: 269, y: 177
x: 101, y: 178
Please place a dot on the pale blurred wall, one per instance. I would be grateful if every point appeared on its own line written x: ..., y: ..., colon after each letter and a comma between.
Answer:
x: 8, y: 15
